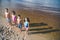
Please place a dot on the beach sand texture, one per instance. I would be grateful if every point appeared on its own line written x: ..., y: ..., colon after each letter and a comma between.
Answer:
x: 43, y: 25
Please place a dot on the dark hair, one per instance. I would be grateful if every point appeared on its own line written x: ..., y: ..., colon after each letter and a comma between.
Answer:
x: 27, y: 19
x: 13, y: 12
x: 19, y: 15
x: 6, y: 9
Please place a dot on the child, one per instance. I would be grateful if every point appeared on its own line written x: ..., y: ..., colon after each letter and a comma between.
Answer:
x: 26, y: 25
x: 7, y: 16
x: 14, y: 18
x: 19, y: 22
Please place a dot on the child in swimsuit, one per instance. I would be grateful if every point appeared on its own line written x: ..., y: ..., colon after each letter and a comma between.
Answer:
x: 14, y: 18
x: 19, y: 22
x: 26, y: 25
x: 7, y: 16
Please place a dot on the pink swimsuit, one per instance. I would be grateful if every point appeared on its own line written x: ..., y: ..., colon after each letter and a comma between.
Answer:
x: 14, y: 19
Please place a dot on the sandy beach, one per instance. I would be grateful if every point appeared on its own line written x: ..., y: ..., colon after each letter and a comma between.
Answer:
x: 43, y: 25
x: 44, y: 18
x: 36, y: 16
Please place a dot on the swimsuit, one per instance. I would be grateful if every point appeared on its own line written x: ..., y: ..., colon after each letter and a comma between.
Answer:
x: 8, y: 19
x: 14, y: 18
x: 26, y: 24
x: 20, y: 25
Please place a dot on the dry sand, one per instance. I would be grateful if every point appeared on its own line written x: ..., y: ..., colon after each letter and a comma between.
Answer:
x: 43, y: 25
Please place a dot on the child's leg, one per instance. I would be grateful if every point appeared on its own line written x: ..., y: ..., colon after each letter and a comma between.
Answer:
x: 9, y: 23
x: 26, y: 33
x: 26, y: 30
x: 20, y: 30
x: 20, y: 27
x: 15, y: 24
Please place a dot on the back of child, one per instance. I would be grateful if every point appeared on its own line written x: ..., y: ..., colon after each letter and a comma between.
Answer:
x: 14, y: 18
x: 26, y: 25
x: 7, y: 16
x: 19, y: 22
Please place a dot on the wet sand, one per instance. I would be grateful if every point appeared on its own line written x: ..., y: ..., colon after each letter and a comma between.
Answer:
x: 43, y: 25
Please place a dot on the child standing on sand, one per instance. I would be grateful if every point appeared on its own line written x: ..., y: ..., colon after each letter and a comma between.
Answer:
x: 14, y: 18
x: 19, y: 22
x: 26, y: 25
x: 7, y: 16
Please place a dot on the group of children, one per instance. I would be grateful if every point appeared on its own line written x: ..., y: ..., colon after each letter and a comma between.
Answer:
x: 11, y: 18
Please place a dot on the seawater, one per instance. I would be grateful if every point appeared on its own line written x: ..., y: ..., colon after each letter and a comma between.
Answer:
x: 49, y: 5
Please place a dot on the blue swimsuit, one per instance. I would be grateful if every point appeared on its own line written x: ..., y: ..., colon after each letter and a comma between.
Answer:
x: 20, y: 25
x: 26, y: 24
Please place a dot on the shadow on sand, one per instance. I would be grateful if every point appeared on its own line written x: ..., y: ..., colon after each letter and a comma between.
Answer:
x: 38, y: 24
x: 45, y: 31
x: 37, y: 29
x: 41, y: 30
